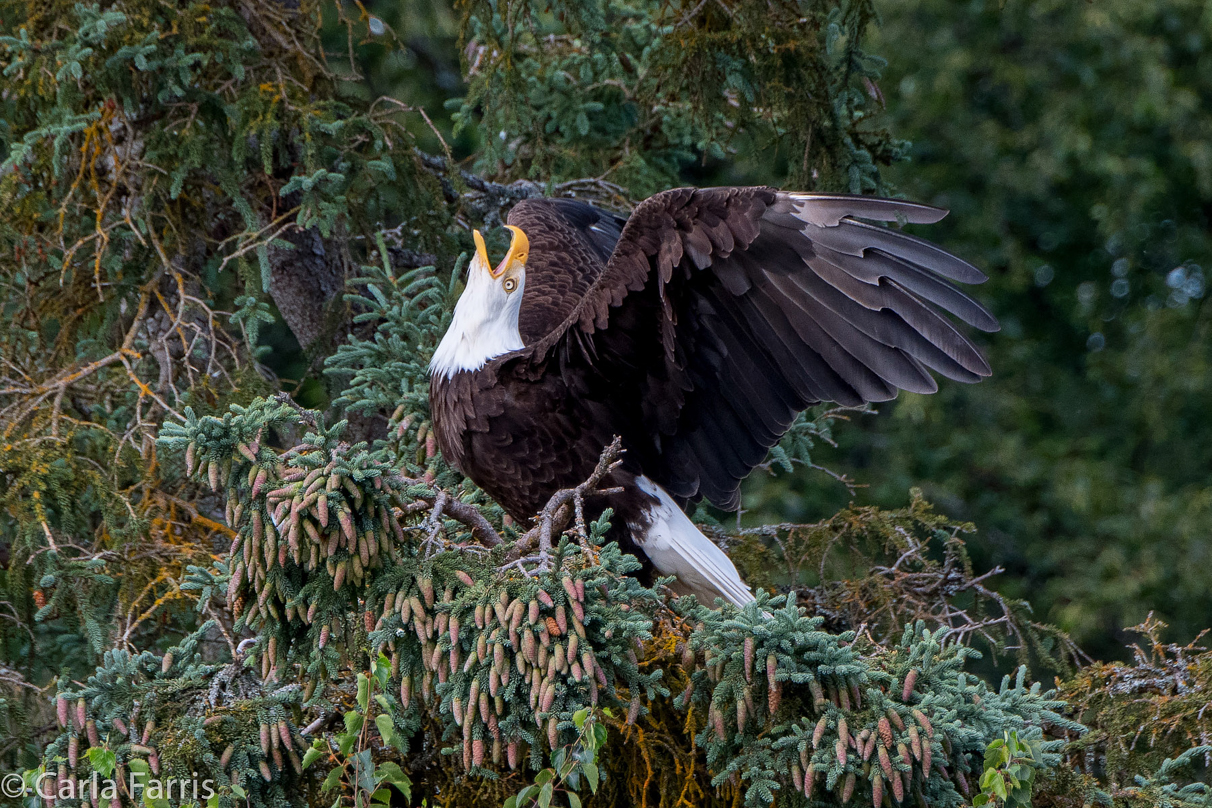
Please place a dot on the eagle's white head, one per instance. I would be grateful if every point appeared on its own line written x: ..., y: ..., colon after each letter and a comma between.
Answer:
x: 485, y: 323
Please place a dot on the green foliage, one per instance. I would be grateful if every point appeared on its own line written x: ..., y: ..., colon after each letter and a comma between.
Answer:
x: 355, y: 772
x: 339, y: 560
x: 390, y: 372
x: 781, y: 696
x: 1010, y: 767
x: 637, y: 90
x: 1143, y: 713
x: 569, y: 765
x: 1145, y: 724
x: 151, y: 156
x: 885, y: 569
x: 176, y: 717
x: 1162, y: 790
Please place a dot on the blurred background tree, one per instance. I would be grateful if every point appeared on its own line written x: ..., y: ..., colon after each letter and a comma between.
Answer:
x: 1073, y: 144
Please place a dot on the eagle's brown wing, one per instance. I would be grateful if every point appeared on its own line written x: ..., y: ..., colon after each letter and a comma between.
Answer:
x: 724, y: 312
x: 570, y: 242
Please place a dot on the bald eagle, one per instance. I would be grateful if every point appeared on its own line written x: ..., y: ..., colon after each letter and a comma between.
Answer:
x: 696, y: 330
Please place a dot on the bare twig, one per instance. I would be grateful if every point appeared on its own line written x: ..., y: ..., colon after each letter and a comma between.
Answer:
x: 231, y: 644
x: 566, y: 504
x: 467, y: 515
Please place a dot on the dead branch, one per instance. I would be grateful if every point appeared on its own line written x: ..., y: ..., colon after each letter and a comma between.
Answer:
x: 566, y: 503
x: 442, y: 504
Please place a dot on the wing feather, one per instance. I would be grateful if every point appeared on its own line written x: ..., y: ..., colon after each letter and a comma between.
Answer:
x: 826, y: 210
x: 875, y: 266
x: 855, y: 238
x: 905, y: 321
x: 838, y: 318
x: 723, y: 312
x: 764, y: 310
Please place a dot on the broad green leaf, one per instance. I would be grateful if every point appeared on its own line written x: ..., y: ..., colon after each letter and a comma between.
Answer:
x: 591, y: 775
x: 573, y: 800
x: 390, y: 773
x: 102, y: 760
x: 353, y: 722
x: 381, y: 669
x: 365, y: 769
x: 363, y: 691
x: 311, y: 756
x: 386, y: 730
x: 346, y: 741
x: 999, y: 788
x: 545, y: 795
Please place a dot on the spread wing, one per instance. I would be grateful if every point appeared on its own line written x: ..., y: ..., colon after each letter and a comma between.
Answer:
x: 724, y: 312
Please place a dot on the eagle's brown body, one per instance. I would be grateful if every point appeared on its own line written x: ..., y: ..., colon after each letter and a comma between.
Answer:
x: 528, y: 433
x: 697, y: 331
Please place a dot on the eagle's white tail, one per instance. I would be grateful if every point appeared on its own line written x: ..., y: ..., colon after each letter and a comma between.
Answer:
x: 676, y: 547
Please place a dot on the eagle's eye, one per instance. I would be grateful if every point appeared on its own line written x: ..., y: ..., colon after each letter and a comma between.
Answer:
x: 511, y: 284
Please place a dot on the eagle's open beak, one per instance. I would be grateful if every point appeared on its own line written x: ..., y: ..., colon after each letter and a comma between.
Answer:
x: 519, y: 249
x: 481, y: 250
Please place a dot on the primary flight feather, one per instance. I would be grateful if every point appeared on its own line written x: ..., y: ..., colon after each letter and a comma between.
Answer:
x: 696, y: 330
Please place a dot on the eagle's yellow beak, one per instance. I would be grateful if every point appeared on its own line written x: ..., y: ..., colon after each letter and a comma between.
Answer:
x: 481, y: 249
x: 519, y: 249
